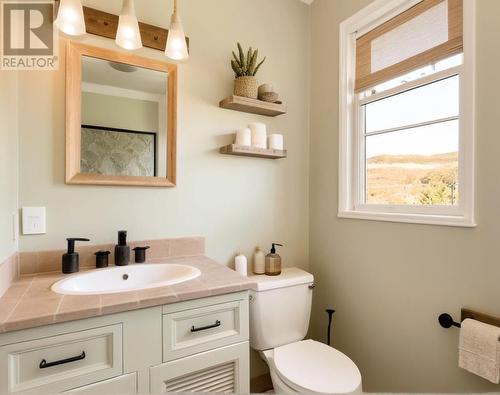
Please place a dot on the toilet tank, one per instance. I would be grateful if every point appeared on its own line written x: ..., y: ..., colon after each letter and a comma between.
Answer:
x: 280, y: 308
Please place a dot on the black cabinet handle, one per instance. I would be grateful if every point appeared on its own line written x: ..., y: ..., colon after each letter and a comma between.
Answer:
x: 202, y: 328
x: 44, y: 364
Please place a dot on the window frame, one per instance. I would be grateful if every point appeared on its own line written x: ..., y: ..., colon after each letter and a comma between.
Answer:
x: 351, y: 154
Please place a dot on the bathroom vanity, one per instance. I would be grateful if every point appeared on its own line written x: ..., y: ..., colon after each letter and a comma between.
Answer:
x: 187, y: 337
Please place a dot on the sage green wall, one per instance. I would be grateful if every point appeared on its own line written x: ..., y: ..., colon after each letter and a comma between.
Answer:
x: 8, y: 162
x: 236, y: 202
x: 388, y: 282
x: 126, y: 113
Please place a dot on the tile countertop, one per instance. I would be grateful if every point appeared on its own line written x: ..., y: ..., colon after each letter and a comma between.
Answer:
x: 29, y: 302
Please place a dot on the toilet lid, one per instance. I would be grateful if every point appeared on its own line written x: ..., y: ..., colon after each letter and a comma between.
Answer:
x: 310, y: 366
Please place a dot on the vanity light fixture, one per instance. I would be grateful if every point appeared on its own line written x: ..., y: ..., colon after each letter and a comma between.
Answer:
x: 70, y: 18
x: 176, y: 48
x: 128, y: 35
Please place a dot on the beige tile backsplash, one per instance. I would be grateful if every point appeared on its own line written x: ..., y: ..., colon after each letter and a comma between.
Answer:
x: 50, y: 261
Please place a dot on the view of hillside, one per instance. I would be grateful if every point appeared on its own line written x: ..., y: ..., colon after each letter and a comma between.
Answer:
x: 412, y: 179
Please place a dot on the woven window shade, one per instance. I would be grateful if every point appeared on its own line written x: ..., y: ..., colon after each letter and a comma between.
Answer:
x: 427, y: 32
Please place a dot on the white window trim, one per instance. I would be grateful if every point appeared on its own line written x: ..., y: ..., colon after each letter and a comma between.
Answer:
x: 464, y: 214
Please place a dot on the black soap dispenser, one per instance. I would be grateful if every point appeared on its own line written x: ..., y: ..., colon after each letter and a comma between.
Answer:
x: 71, y: 260
x: 122, y: 250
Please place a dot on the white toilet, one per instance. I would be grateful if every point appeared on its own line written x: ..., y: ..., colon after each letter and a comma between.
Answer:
x: 280, y: 307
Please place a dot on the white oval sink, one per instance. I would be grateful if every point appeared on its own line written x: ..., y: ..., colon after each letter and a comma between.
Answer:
x: 125, y: 278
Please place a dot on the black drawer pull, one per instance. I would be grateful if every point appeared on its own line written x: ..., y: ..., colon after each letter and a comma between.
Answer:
x: 202, y: 328
x: 44, y: 364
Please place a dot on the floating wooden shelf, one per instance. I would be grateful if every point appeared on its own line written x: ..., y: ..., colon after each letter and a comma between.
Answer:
x: 240, y: 150
x: 253, y: 106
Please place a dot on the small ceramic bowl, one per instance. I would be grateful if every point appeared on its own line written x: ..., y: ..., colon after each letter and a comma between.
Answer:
x: 269, y: 97
x: 265, y: 88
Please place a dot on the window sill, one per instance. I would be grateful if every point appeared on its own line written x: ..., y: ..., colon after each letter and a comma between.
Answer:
x: 425, y: 219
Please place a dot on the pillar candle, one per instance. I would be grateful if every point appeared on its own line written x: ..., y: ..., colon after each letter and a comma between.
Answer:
x: 275, y: 141
x: 259, y: 135
x: 243, y: 137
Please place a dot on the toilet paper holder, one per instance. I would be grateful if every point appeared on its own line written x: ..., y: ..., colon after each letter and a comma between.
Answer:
x: 447, y: 321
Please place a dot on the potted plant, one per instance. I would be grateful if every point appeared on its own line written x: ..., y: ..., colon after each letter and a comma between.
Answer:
x: 245, y: 68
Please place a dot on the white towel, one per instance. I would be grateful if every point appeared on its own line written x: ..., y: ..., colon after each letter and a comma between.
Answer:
x: 479, y: 349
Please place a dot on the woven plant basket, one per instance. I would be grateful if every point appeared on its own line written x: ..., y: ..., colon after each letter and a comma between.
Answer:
x: 246, y: 86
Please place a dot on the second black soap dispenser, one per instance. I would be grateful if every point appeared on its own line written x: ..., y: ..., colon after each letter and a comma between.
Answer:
x: 71, y: 260
x: 122, y: 250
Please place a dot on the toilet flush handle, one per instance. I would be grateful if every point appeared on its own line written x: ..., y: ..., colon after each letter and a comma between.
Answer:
x: 312, y: 286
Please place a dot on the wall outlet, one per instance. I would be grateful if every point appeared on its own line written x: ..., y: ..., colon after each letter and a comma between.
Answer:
x: 34, y: 220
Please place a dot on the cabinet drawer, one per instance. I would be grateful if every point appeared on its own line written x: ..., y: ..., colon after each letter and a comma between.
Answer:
x: 224, y: 370
x: 62, y: 362
x: 121, y: 385
x: 194, y: 330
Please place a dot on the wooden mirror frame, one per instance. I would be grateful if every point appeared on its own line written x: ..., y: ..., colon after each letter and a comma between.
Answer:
x: 74, y: 53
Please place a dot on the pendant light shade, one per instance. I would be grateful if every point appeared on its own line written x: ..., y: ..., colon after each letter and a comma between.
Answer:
x: 70, y: 18
x: 176, y: 48
x: 128, y: 35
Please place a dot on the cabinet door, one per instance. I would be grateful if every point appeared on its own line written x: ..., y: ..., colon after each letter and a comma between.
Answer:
x: 223, y: 370
x: 58, y: 363
x: 121, y: 385
x: 192, y: 331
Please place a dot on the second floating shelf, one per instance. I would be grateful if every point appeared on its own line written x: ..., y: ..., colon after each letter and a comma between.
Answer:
x: 241, y: 150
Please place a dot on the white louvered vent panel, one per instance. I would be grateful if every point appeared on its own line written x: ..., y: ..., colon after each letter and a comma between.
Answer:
x: 219, y: 379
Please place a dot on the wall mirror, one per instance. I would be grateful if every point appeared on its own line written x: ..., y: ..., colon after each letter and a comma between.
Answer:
x: 120, y: 118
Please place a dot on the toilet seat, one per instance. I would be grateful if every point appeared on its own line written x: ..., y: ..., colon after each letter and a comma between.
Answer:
x: 312, y: 367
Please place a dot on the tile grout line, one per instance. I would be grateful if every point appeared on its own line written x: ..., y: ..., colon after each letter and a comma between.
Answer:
x: 20, y: 300
x: 58, y: 307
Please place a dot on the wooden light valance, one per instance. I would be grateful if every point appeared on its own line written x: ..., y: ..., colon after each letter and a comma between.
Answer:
x: 425, y: 33
x: 105, y: 24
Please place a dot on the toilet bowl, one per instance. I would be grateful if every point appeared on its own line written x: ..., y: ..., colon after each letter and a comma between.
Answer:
x: 280, y: 309
x: 312, y: 367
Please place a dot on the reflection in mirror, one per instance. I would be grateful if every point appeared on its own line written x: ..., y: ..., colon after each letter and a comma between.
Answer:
x: 123, y: 119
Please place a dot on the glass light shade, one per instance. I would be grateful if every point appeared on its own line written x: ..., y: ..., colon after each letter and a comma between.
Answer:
x: 70, y: 18
x: 176, y: 47
x: 128, y: 35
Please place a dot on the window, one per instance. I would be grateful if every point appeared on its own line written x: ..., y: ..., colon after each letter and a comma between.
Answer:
x: 406, y: 113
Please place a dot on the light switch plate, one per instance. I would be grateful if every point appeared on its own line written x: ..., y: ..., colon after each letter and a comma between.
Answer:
x: 34, y: 221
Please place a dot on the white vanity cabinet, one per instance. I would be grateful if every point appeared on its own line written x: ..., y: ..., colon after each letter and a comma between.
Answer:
x: 205, y: 346
x: 194, y: 346
x: 121, y: 385
x: 223, y: 370
x: 204, y: 324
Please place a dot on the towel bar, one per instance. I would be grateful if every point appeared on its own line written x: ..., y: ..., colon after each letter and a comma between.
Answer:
x: 446, y: 320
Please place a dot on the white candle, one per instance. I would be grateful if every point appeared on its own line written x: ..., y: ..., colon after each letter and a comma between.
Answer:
x: 259, y: 135
x: 275, y: 141
x: 243, y: 137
